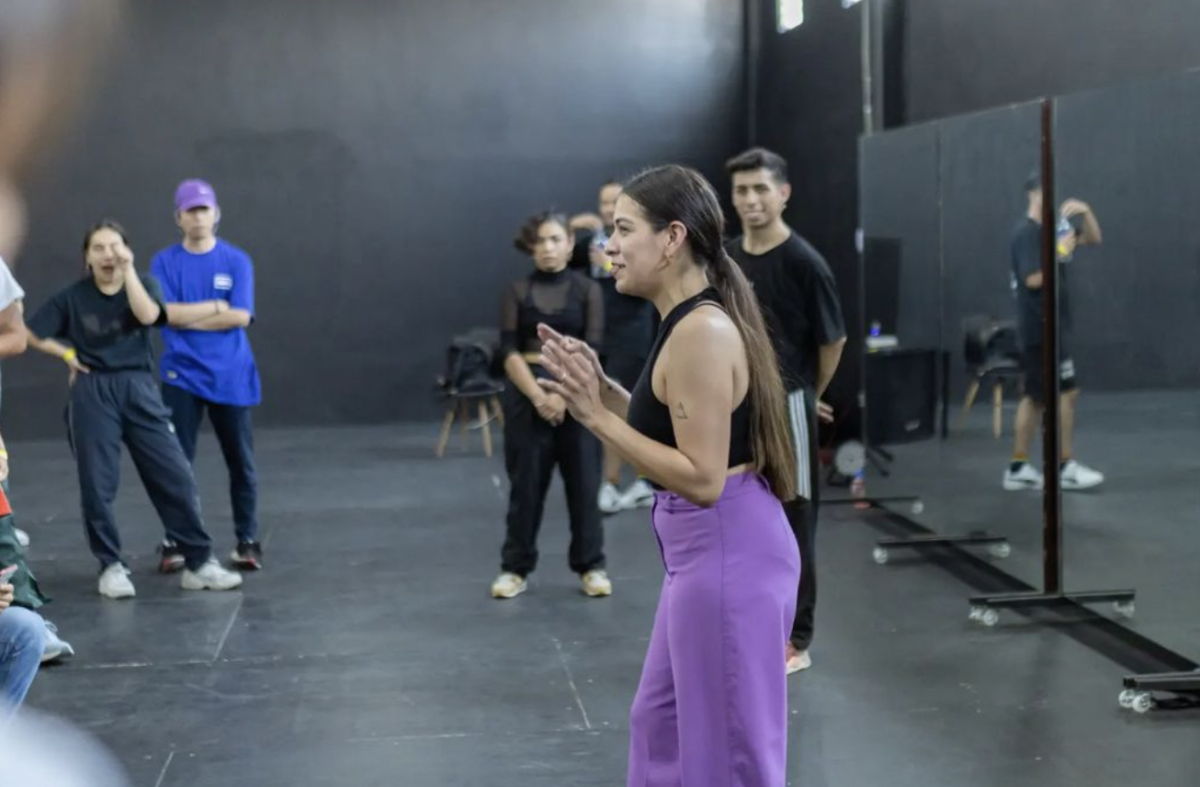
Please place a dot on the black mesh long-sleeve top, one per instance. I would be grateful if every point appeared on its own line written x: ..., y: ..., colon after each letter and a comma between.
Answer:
x: 567, y: 301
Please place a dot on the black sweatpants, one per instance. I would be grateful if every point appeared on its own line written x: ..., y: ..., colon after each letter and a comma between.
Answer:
x: 236, y: 437
x: 110, y: 408
x: 532, y: 448
x: 802, y: 512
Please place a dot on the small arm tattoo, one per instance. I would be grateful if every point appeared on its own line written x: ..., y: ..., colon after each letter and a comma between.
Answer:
x: 681, y: 412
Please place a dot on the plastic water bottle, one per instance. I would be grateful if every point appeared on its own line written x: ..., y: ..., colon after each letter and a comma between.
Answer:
x: 858, y: 489
x: 1065, y: 232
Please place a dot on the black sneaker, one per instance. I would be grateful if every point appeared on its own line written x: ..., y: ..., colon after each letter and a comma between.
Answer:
x: 170, y: 558
x: 247, y: 556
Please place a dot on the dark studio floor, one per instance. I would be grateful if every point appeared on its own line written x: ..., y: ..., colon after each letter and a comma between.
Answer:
x: 369, y: 652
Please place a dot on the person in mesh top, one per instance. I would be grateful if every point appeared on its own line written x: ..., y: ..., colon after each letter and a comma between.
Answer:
x: 539, y: 434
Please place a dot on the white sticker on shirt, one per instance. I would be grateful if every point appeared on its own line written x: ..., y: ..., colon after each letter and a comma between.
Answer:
x: 223, y: 281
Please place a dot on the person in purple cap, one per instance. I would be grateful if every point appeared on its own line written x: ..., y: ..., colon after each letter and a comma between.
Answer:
x: 207, y: 363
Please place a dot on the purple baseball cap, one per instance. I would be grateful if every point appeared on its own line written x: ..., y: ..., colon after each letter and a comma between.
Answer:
x: 195, y: 194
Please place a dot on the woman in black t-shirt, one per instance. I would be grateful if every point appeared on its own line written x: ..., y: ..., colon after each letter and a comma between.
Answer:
x: 100, y: 327
x: 538, y: 432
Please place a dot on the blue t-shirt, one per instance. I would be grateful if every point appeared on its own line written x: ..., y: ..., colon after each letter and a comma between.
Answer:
x: 217, y: 366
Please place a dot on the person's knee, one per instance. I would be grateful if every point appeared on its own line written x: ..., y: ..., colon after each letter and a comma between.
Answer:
x: 23, y: 631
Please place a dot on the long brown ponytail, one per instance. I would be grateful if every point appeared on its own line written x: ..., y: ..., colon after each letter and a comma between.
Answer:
x: 774, y: 455
x: 673, y: 193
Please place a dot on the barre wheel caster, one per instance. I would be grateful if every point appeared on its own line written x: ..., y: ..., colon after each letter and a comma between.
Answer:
x: 1126, y: 699
x: 880, y: 555
x: 1000, y: 550
x: 1143, y: 703
x: 918, y: 507
x: 1124, y: 609
x: 976, y: 614
x: 989, y: 617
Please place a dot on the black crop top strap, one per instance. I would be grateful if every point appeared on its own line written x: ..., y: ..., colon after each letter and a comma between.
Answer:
x: 653, y: 418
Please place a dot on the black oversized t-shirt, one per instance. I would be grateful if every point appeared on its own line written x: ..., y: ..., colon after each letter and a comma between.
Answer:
x: 102, y: 328
x: 800, y: 302
x: 1027, y: 260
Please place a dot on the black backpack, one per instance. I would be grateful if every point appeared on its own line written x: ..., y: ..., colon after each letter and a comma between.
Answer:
x: 470, y: 362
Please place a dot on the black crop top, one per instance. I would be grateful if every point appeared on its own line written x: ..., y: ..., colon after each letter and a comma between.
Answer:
x: 653, y: 418
x: 568, y: 302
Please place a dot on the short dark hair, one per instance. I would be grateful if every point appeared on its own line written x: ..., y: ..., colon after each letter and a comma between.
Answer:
x: 611, y: 182
x: 1033, y: 182
x: 759, y: 158
x: 527, y: 236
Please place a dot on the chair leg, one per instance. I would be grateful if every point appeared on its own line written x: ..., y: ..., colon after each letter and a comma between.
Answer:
x: 997, y: 410
x: 972, y: 392
x: 447, y: 424
x: 464, y: 414
x: 487, y: 429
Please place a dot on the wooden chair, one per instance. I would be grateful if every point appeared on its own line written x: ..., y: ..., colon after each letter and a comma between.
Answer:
x: 486, y: 407
x: 991, y: 354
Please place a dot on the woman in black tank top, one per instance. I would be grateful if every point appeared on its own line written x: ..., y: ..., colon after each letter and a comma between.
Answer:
x: 706, y: 423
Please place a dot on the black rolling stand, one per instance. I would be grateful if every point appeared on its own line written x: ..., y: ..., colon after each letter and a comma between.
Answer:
x: 924, y: 539
x: 1139, y: 689
x: 984, y: 609
x: 1154, y: 671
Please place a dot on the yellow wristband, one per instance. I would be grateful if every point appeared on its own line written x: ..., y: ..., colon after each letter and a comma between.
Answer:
x: 3, y: 454
x: 69, y: 355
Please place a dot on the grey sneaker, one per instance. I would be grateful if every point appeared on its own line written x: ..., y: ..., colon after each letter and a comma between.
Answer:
x: 1076, y: 476
x: 509, y: 585
x: 1024, y: 477
x: 596, y: 584
x: 639, y: 495
x: 115, y: 583
x: 211, y: 576
x: 55, y: 648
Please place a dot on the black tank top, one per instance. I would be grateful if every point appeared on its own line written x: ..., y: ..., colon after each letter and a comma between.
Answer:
x: 653, y: 418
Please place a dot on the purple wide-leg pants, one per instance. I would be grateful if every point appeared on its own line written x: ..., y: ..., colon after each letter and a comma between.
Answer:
x: 711, y: 708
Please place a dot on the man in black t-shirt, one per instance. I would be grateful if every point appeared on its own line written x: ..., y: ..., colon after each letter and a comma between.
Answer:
x: 1077, y: 227
x: 800, y: 302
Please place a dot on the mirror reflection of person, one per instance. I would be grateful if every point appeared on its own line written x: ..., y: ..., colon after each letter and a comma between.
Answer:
x: 1077, y: 228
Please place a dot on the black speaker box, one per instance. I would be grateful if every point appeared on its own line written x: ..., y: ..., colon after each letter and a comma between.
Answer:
x: 902, y: 396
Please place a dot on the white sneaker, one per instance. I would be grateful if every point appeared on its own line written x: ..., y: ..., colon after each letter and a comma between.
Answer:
x: 639, y: 495
x: 55, y: 648
x: 610, y: 499
x: 1026, y: 477
x: 115, y: 583
x: 509, y: 586
x: 1076, y: 476
x: 596, y: 584
x: 211, y: 576
x: 22, y: 538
